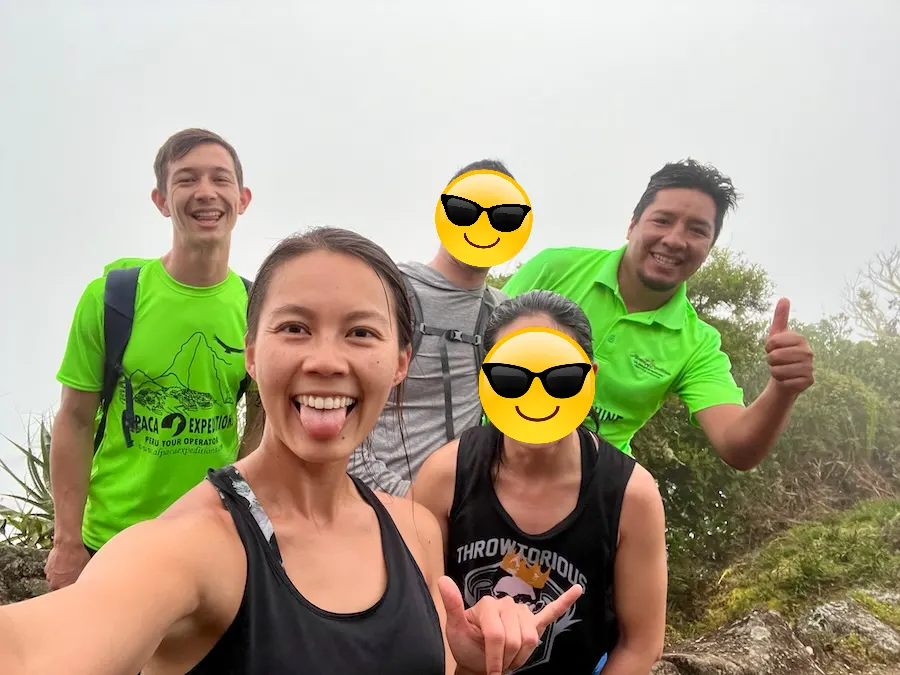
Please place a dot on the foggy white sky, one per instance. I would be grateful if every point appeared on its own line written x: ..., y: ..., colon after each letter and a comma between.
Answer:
x: 355, y: 116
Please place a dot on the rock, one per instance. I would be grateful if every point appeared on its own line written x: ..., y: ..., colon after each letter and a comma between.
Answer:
x: 884, y: 597
x: 760, y: 644
x: 21, y: 574
x: 664, y: 668
x: 845, y: 618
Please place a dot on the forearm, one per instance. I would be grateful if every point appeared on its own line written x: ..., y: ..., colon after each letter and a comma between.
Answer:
x: 749, y: 439
x: 71, y: 452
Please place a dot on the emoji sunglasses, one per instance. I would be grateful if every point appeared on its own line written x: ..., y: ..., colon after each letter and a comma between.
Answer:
x: 509, y: 381
x: 503, y: 217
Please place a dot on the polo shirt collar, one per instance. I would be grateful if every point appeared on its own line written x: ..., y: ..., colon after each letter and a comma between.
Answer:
x: 670, y: 315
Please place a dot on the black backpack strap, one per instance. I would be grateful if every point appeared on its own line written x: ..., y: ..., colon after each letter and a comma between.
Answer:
x: 488, y: 305
x: 417, y: 314
x: 245, y: 383
x: 118, y: 317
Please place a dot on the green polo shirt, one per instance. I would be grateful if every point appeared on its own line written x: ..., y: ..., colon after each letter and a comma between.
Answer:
x: 641, y: 357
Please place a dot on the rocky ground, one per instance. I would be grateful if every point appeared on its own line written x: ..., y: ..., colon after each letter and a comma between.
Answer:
x: 853, y: 635
x: 21, y: 574
x: 836, y: 638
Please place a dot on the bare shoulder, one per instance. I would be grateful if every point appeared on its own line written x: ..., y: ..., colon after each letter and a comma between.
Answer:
x: 437, y: 472
x: 411, y: 518
x: 642, y: 491
x: 418, y: 527
x: 642, y: 505
x: 443, y: 460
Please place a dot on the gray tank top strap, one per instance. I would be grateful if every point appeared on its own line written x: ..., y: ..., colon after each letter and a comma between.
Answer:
x: 229, y: 482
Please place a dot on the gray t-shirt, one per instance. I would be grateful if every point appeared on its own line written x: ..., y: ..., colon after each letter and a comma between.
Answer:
x: 382, y: 465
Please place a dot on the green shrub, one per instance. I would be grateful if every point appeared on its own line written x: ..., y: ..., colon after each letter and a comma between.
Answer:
x: 809, y: 563
x: 31, y: 524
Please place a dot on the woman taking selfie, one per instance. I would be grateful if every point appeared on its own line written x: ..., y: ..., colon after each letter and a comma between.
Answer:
x: 529, y: 520
x: 283, y: 563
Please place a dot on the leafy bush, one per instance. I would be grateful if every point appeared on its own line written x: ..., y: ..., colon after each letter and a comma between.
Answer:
x: 842, y: 445
x: 31, y: 524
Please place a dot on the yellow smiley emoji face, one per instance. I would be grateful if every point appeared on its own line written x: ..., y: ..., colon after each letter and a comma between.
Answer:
x: 483, y: 218
x: 536, y: 385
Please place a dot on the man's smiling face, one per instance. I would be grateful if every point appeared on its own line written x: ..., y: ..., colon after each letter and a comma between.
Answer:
x: 672, y: 238
x: 203, y: 196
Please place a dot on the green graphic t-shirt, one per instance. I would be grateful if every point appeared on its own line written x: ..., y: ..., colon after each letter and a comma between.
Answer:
x: 642, y: 357
x: 185, y: 359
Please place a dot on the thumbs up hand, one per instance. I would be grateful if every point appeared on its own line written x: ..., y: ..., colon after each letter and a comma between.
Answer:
x: 789, y: 355
x: 496, y: 636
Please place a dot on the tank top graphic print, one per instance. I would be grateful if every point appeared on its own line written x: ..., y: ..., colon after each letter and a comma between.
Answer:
x: 488, y: 555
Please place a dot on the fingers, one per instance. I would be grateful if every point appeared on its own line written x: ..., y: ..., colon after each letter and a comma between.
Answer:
x: 780, y: 320
x: 453, y: 602
x: 786, y: 339
x: 529, y: 637
x: 791, y: 371
x: 493, y: 620
x: 557, y: 608
x: 784, y: 356
x: 509, y: 631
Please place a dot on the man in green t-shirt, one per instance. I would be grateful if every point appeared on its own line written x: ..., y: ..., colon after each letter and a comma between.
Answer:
x: 184, y: 362
x: 649, y: 341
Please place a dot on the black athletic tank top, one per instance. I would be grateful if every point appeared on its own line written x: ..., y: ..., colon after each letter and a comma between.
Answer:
x: 488, y: 554
x: 277, y: 631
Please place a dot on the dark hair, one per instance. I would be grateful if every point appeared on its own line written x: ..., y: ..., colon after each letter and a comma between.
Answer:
x: 483, y: 165
x: 337, y: 240
x: 180, y: 144
x: 562, y: 311
x: 691, y: 174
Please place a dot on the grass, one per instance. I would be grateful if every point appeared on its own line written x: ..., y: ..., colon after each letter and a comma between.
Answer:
x: 889, y: 614
x: 810, y: 563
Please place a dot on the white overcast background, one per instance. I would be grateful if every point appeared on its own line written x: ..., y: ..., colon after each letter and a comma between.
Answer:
x: 357, y: 114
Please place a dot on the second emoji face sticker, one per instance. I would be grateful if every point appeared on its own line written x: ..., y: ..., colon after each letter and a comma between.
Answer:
x: 483, y: 218
x: 536, y: 385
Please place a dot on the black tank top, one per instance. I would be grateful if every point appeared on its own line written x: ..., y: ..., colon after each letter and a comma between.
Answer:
x: 278, y: 632
x: 487, y: 554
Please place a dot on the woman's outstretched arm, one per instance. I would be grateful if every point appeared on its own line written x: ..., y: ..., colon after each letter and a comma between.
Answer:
x: 112, y: 619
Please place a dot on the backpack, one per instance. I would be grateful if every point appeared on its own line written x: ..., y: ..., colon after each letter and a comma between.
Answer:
x: 118, y: 317
x: 420, y: 329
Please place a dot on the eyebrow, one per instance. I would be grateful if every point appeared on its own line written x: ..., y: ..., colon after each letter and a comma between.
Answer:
x: 300, y: 310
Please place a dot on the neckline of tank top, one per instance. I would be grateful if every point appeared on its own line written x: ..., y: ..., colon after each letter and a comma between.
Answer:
x: 386, y: 527
x: 588, y: 470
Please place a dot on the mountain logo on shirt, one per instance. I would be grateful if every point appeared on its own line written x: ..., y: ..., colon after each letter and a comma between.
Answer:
x: 183, y: 409
x: 173, y: 389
